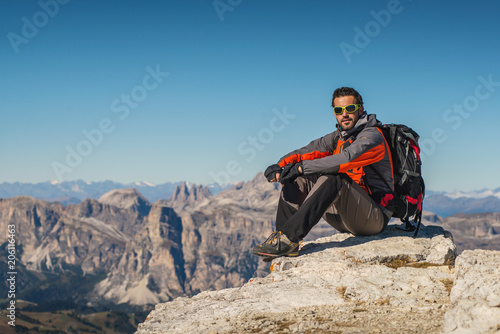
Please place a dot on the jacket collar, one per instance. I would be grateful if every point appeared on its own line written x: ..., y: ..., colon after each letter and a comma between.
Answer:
x: 363, y: 121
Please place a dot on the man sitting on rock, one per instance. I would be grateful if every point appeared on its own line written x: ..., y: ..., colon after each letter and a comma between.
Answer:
x: 328, y: 178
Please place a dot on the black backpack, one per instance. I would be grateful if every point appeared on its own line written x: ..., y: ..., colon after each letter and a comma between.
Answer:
x: 409, y: 187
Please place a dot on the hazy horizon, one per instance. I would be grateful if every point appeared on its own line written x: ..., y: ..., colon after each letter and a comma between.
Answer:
x: 151, y: 184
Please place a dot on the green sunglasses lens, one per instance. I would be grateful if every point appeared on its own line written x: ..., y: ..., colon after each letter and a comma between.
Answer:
x: 351, y: 108
x: 337, y: 110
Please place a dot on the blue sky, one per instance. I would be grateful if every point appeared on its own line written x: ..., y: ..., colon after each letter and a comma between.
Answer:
x: 215, y: 91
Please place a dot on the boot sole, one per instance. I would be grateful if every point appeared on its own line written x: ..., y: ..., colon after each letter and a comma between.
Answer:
x: 276, y: 255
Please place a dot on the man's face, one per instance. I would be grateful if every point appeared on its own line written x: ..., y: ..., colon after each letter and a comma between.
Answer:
x: 347, y: 121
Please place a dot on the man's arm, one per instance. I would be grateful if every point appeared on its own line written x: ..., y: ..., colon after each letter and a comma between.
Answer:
x: 367, y: 148
x: 316, y: 149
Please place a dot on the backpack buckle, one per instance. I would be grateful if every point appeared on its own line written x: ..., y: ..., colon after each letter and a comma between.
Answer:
x: 408, y: 226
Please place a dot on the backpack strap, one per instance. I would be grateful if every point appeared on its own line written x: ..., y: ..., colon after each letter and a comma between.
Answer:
x: 419, y: 218
x: 378, y: 172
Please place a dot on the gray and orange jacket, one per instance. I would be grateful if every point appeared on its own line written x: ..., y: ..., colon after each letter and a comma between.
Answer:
x: 350, y: 152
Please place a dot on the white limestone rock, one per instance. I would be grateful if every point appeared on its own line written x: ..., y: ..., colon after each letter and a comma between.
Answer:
x: 334, y: 278
x: 475, y: 296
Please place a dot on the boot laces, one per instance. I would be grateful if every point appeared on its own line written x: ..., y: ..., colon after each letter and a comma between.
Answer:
x: 272, y: 238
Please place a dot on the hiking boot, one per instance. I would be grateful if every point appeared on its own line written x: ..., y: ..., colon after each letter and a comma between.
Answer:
x: 277, y: 245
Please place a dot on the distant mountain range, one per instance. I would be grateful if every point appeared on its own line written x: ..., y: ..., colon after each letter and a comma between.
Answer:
x: 73, y: 192
x: 447, y: 204
x: 478, y: 194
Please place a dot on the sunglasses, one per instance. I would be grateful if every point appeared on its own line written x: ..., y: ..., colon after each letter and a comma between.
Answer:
x: 349, y: 109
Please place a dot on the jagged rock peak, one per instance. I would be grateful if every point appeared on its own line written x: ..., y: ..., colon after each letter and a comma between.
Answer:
x: 129, y: 198
x: 190, y: 194
x: 181, y: 193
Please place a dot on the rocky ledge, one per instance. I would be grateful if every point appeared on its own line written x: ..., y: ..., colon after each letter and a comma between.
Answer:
x: 388, y: 283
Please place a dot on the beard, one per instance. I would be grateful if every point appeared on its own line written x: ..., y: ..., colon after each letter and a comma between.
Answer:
x: 349, y: 125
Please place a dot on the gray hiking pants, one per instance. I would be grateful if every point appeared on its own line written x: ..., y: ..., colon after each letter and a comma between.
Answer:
x: 337, y: 198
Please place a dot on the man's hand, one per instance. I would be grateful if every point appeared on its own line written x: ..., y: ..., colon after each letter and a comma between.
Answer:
x: 291, y: 171
x: 272, y: 173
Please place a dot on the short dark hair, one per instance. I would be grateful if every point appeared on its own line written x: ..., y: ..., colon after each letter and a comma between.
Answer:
x: 347, y: 91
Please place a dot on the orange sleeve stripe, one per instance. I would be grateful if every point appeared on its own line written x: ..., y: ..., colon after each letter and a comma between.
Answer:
x: 301, y: 157
x: 294, y: 158
x: 371, y: 156
x: 315, y: 155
